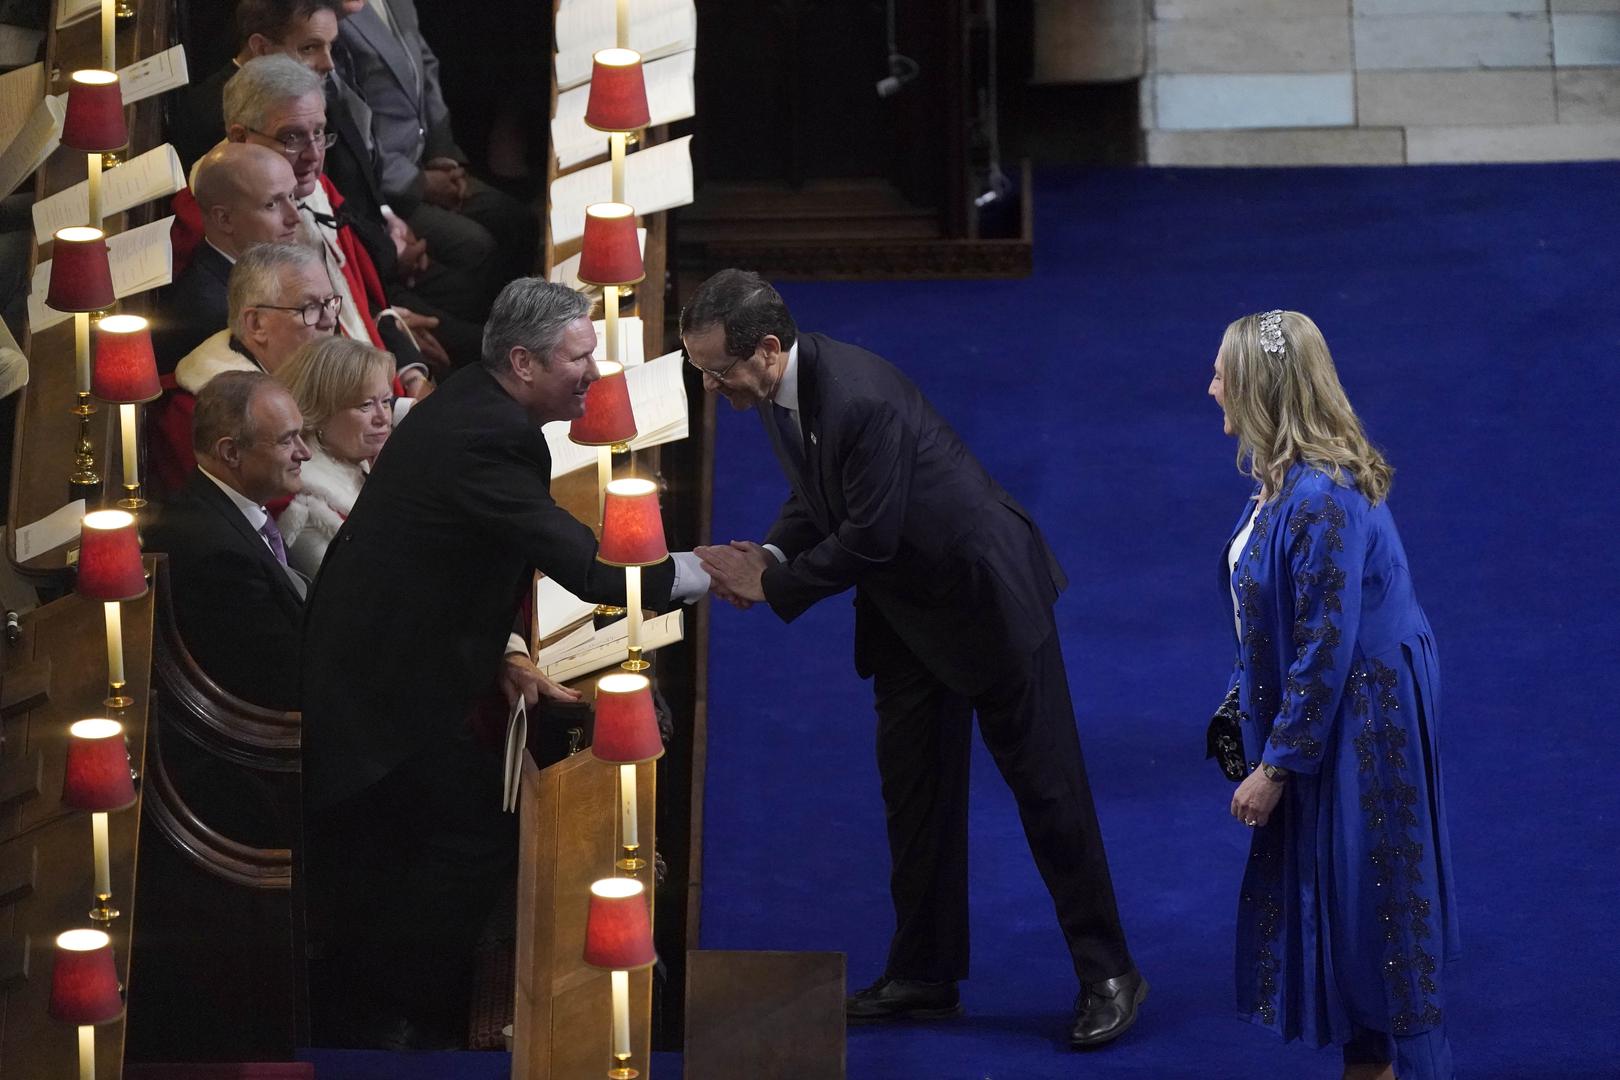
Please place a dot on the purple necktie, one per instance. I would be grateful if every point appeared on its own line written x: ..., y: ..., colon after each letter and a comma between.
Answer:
x: 272, y: 536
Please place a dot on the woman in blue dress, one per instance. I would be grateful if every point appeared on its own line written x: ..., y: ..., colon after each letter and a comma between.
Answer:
x: 1347, y: 913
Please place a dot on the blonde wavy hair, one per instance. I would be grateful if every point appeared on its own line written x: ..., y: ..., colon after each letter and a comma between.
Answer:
x: 329, y: 375
x: 1290, y: 407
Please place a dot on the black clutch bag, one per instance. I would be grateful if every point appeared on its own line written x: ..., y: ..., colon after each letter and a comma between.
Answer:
x: 1224, y: 740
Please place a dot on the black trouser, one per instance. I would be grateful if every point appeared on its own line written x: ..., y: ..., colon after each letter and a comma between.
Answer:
x: 923, y: 741
x: 492, y: 231
x: 400, y: 881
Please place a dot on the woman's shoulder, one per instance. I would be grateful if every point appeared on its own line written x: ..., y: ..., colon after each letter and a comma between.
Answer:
x: 1311, y: 490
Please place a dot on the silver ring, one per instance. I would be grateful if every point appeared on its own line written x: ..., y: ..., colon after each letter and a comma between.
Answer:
x: 1250, y: 823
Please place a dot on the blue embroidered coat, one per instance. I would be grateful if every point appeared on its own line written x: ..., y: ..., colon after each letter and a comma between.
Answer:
x: 1347, y: 907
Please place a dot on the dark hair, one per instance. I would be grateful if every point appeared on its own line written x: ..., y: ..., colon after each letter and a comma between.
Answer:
x: 275, y: 18
x: 224, y: 409
x: 746, y: 305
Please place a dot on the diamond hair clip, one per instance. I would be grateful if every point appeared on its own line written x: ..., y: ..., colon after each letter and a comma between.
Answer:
x: 1271, y: 337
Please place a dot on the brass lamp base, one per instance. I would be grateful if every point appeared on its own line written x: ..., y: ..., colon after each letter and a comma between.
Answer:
x: 631, y: 860
x: 116, y: 698
x: 104, y: 912
x: 84, y: 482
x: 635, y: 663
x: 132, y: 499
x: 621, y: 1071
x: 124, y: 11
x: 608, y: 611
x: 111, y: 159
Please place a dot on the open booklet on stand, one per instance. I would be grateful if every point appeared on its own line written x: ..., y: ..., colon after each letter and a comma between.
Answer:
x: 589, y: 649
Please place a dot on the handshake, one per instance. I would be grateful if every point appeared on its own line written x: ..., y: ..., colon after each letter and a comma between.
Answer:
x: 735, y: 571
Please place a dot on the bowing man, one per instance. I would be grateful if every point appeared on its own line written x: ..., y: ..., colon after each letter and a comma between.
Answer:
x: 954, y: 587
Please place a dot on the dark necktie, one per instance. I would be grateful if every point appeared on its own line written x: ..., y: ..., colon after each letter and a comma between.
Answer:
x: 272, y: 536
x: 787, y: 425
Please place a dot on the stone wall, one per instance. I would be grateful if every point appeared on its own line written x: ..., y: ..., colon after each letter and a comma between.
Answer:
x: 1284, y: 82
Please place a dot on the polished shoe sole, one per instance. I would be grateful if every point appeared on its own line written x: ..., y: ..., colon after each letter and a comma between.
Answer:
x: 1136, y: 1010
x: 906, y: 1014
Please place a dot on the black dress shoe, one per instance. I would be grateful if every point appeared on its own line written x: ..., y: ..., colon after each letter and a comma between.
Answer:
x: 1105, y: 1010
x: 903, y: 999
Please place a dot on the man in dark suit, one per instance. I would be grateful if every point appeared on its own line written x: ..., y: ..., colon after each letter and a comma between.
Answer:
x: 407, y: 625
x: 954, y: 587
x: 422, y: 167
x: 238, y: 605
x: 246, y: 196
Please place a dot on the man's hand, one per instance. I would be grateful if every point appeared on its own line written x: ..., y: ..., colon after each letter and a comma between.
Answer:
x: 419, y: 325
x: 736, y: 570
x: 444, y: 183
x: 416, y: 384
x: 410, y: 249
x: 519, y: 676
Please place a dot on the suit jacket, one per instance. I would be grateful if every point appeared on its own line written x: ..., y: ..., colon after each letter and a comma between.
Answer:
x: 891, y: 503
x: 192, y: 308
x: 238, y: 609
x: 410, y: 613
x: 198, y: 118
x: 398, y: 75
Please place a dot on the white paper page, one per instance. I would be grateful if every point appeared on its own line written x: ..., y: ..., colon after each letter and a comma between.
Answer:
x: 69, y: 12
x: 584, y: 26
x: 140, y: 259
x: 670, y: 97
x: 632, y: 343
x: 19, y: 45
x: 566, y: 454
x: 655, y: 178
x: 571, y: 643
x: 38, y: 139
x: 156, y: 74
x: 658, y: 399
x: 20, y: 93
x: 13, y: 363
x: 51, y: 531
x: 555, y: 607
x: 153, y: 175
x: 610, y: 645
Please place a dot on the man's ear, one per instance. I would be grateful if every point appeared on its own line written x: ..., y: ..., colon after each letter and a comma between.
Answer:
x: 259, y: 45
x: 220, y: 218
x: 228, y: 453
x: 236, y: 133
x: 253, y: 325
x: 522, y: 363
x: 770, y: 345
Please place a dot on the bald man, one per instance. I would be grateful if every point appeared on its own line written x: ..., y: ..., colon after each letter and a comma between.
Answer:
x: 246, y: 195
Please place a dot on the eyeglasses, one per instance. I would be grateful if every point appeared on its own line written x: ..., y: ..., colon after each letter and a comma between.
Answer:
x: 717, y: 376
x: 310, y: 312
x: 296, y: 142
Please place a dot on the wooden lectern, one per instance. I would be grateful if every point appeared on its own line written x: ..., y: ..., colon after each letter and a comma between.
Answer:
x: 567, y: 838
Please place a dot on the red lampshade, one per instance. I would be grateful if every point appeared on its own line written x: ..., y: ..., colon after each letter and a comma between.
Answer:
x: 84, y: 984
x: 632, y: 527
x: 618, y: 932
x: 126, y: 368
x: 81, y: 276
x: 95, y: 113
x: 618, y: 100
x: 97, y: 777
x: 608, y: 417
x: 611, y: 255
x: 626, y: 722
x: 110, y: 557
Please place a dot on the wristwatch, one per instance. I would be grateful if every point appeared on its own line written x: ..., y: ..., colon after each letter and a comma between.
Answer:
x: 1275, y: 773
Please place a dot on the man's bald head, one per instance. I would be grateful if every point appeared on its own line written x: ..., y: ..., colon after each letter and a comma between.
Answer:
x: 245, y: 193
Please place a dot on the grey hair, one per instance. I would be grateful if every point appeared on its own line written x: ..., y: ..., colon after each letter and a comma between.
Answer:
x: 256, y: 278
x: 263, y: 83
x: 225, y: 409
x: 531, y: 312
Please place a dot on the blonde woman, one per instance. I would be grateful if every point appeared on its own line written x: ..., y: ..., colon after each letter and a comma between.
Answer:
x: 345, y: 390
x: 1346, y: 916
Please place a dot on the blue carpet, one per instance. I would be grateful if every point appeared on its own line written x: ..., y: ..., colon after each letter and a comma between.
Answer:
x: 1474, y: 318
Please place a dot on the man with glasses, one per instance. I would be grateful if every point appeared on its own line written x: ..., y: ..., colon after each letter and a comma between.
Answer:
x: 279, y: 297
x: 954, y: 588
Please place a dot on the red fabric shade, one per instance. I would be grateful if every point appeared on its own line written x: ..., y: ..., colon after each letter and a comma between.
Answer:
x: 97, y: 777
x: 626, y: 721
x: 611, y: 254
x: 110, y: 557
x: 126, y: 368
x: 84, y: 984
x: 632, y: 527
x: 81, y: 276
x: 618, y: 99
x: 95, y: 113
x: 618, y: 931
x: 608, y: 417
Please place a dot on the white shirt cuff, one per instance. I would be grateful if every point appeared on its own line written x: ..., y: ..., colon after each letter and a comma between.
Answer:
x: 774, y: 550
x: 516, y: 644
x: 691, y: 580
